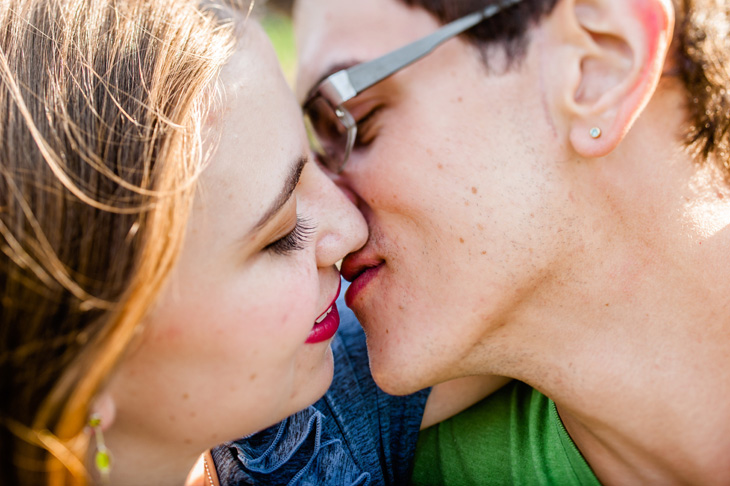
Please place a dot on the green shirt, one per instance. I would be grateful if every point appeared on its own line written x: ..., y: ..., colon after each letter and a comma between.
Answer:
x: 513, y: 437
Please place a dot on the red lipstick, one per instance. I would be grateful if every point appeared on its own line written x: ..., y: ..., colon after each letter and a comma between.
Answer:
x: 326, y: 324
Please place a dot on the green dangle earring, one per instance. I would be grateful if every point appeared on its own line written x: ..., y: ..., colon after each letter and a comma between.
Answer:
x: 102, y: 458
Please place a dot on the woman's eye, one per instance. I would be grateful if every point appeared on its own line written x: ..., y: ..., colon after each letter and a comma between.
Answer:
x: 295, y: 240
x: 366, y: 128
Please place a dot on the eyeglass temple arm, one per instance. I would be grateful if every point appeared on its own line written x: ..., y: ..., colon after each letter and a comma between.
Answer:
x: 369, y: 73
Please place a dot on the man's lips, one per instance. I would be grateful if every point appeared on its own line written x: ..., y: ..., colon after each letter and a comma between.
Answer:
x: 360, y: 271
x: 326, y: 325
x: 355, y: 264
x: 359, y: 284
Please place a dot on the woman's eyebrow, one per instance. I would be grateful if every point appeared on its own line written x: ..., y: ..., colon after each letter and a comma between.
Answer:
x: 289, y: 185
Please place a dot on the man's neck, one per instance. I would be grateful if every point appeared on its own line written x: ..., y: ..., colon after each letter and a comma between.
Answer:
x: 658, y: 437
x: 641, y: 377
x: 646, y: 400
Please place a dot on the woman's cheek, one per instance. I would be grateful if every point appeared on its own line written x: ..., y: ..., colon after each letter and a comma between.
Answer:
x: 290, y: 302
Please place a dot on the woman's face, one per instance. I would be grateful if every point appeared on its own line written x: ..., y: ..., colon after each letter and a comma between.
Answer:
x: 232, y: 345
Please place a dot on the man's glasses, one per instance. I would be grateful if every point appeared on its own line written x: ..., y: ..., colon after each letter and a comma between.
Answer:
x: 332, y: 128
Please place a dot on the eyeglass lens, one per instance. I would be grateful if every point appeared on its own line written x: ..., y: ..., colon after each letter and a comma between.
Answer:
x: 328, y: 135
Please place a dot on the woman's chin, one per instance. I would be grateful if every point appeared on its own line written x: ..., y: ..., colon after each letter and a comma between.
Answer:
x: 307, y: 389
x: 313, y: 387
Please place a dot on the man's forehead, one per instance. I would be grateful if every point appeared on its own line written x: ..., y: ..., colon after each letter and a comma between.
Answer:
x: 335, y: 34
x: 328, y: 39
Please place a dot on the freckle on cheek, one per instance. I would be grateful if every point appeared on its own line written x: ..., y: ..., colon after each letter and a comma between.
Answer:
x: 171, y: 333
x: 461, y: 240
x: 185, y: 396
x: 474, y: 190
x: 252, y: 377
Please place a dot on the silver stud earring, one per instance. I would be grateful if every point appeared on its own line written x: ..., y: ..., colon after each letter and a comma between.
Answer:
x: 595, y: 132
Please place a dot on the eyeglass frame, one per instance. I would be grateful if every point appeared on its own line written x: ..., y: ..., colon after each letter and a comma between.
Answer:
x: 340, y: 87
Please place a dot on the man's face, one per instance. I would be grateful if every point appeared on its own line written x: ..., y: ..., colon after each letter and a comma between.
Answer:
x: 456, y: 175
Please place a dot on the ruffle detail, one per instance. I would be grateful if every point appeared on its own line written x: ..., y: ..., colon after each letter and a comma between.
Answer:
x: 298, y: 451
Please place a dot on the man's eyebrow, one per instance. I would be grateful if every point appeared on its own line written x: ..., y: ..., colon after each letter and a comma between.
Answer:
x: 289, y: 185
x: 327, y: 73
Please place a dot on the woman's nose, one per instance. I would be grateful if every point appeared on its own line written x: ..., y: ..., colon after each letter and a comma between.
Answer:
x: 341, y: 228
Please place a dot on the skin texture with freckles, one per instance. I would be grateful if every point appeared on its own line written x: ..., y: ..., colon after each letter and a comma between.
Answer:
x: 512, y: 242
x: 413, y: 221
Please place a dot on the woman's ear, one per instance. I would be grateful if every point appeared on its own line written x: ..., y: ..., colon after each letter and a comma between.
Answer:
x: 105, y: 409
x: 609, y: 57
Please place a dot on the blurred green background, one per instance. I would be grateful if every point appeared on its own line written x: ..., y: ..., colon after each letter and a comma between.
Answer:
x: 277, y: 24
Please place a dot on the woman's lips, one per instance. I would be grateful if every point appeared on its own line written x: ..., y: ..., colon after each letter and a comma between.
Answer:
x: 359, y: 284
x: 326, y: 324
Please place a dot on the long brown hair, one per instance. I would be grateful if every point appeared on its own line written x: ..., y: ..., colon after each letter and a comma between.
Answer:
x: 101, y: 108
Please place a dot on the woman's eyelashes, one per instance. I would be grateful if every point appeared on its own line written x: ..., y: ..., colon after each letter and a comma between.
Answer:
x: 295, y: 240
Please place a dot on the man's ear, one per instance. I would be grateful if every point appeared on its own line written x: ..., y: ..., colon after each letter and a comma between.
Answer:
x: 609, y: 56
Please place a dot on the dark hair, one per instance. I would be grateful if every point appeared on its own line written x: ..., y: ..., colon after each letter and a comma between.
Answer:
x: 508, y: 29
x: 701, y: 49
